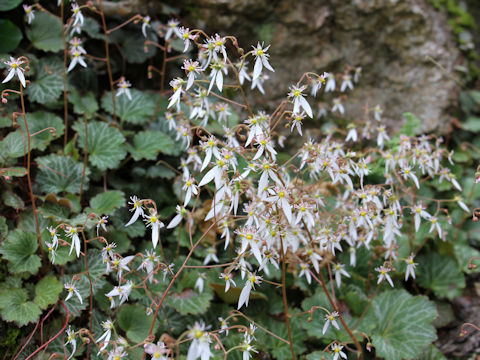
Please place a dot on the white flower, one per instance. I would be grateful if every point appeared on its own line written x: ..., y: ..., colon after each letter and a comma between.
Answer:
x: 330, y: 319
x: 377, y: 113
x: 318, y: 82
x: 186, y: 36
x: 261, y: 60
x: 102, y: 223
x: 337, y: 352
x: 249, y: 285
x: 52, y: 250
x: 29, y: 12
x: 190, y: 188
x: 199, y: 284
x: 347, y: 83
x: 339, y: 270
x: 337, y: 106
x: 242, y: 72
x: 177, y: 85
x: 299, y: 100
x: 419, y: 213
x: 435, y: 226
x: 200, y: 345
x: 258, y: 83
x: 330, y: 83
x: 172, y: 26
x: 352, y: 133
x: 145, y: 24
x: 107, y: 326
x: 228, y: 280
x: 216, y: 75
x: 117, y: 354
x: 223, y: 326
x: 137, y: 209
x: 382, y: 136
x: 297, y: 121
x: 121, y: 291
x: 77, y: 15
x: 72, y: 290
x: 123, y: 88
x: 71, y: 340
x: 53, y: 234
x: 72, y: 233
x: 181, y: 213
x: 410, y: 271
x: 384, y: 275
x: 211, y: 256
x: 408, y: 173
x: 156, y: 351
x: 15, y: 68
x: 191, y: 68
x: 77, y: 58
x: 154, y: 222
x: 305, y: 272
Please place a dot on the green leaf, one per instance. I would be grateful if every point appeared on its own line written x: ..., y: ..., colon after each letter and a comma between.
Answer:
x: 6, y: 5
x: 59, y: 174
x: 147, y: 144
x: 136, y: 111
x: 17, y: 171
x: 411, y: 126
x: 432, y: 353
x: 133, y: 320
x: 189, y: 301
x: 402, y: 324
x: 46, y: 32
x: 41, y: 120
x: 20, y: 251
x: 13, y: 200
x: 15, y: 307
x: 48, y: 84
x: 47, y: 292
x: 441, y: 274
x: 105, y: 144
x: 106, y: 202
x: 472, y: 124
x: 13, y: 146
x: 83, y: 103
x: 10, y: 36
x: 133, y: 47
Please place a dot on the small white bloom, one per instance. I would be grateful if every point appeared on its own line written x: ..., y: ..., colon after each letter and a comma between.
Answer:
x: 252, y: 280
x: 145, y: 25
x: 261, y: 60
x: 137, y: 209
x: 410, y: 271
x: 299, y: 100
x: 330, y: 319
x: 384, y: 275
x: 15, y: 69
x: 154, y: 222
x: 337, y: 352
x: 29, y: 12
x: 77, y: 15
x: 107, y: 326
x: 72, y: 290
x: 72, y: 233
x: 72, y: 341
x: 123, y: 88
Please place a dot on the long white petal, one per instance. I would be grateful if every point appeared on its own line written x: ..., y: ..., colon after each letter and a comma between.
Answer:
x: 9, y: 76
x: 244, y: 295
x: 135, y: 216
x: 175, y: 221
x: 155, y: 234
x: 208, y: 176
x: 257, y: 70
x: 21, y: 77
x: 306, y: 106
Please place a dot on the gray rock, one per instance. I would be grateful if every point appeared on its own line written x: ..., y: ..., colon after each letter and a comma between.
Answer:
x: 405, y: 48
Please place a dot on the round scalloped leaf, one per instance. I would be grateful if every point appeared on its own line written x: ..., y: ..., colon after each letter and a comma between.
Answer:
x: 10, y: 36
x: 48, y: 84
x: 38, y: 121
x: 105, y: 144
x: 83, y: 103
x: 136, y: 111
x: 189, y: 301
x: 403, y: 324
x: 6, y: 5
x: 105, y: 203
x: 47, y: 292
x: 45, y: 32
x: 59, y: 174
x: 12, y: 146
x: 15, y: 307
x: 135, y: 322
x: 441, y: 274
x: 147, y: 144
x: 20, y: 251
